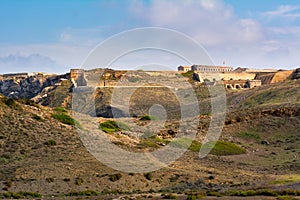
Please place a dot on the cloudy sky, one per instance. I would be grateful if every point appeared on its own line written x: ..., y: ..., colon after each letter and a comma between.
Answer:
x: 53, y: 36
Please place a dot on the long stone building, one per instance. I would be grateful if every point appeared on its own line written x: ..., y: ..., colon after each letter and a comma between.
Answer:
x: 211, y: 68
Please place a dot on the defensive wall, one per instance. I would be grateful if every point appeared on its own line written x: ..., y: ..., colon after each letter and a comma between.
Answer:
x: 279, y: 76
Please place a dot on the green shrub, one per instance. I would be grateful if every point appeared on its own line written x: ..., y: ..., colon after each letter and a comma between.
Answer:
x: 152, y: 142
x: 148, y: 176
x: 37, y: 117
x: 115, y: 177
x: 192, y: 145
x: 113, y: 126
x: 64, y: 118
x: 60, y: 109
x: 28, y: 102
x: 50, y: 143
x: 169, y: 196
x: 188, y: 74
x: 50, y: 180
x: 264, y: 192
x: 3, y: 160
x: 83, y: 193
x: 191, y: 197
x: 223, y: 148
x: 249, y: 135
x: 11, y: 103
x: 21, y: 195
x: 147, y: 118
x: 78, y: 181
x: 213, y: 193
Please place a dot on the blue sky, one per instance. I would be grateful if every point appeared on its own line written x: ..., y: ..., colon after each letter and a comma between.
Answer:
x: 53, y: 36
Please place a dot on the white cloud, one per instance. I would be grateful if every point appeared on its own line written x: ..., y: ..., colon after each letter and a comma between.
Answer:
x: 210, y: 22
x: 285, y: 11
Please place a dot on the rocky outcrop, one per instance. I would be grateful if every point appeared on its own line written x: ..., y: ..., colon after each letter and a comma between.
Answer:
x: 296, y: 74
x: 29, y: 87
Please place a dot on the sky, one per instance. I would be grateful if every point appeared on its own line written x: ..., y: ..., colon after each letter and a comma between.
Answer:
x: 54, y: 36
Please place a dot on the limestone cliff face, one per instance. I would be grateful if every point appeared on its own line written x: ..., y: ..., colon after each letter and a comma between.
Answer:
x: 29, y: 87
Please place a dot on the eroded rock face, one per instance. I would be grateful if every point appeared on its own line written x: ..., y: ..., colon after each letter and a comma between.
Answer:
x: 29, y: 87
x: 296, y: 74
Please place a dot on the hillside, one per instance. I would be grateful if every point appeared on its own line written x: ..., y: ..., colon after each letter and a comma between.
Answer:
x: 286, y: 92
x: 42, y: 156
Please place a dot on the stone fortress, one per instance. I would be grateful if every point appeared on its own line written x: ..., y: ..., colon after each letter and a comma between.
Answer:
x: 238, y: 78
x: 25, y: 85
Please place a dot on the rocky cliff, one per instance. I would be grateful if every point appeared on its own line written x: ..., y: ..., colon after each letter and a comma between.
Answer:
x: 31, y: 86
x: 296, y: 74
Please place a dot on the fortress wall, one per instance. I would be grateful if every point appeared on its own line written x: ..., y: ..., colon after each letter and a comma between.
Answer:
x: 226, y: 76
x: 265, y: 78
x: 282, y: 76
x: 237, y: 76
x: 268, y: 78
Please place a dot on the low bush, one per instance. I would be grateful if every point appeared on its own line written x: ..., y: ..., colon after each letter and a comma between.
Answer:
x: 223, y: 148
x: 249, y: 135
x: 147, y: 118
x: 264, y: 192
x: 113, y: 126
x: 148, y: 176
x: 78, y: 181
x: 37, y: 117
x: 188, y: 74
x: 192, y: 145
x: 11, y: 103
x: 21, y: 195
x: 220, y: 148
x: 83, y: 193
x: 50, y: 180
x: 152, y: 142
x: 115, y: 177
x: 169, y: 196
x: 28, y: 102
x: 64, y: 118
x: 60, y: 109
x: 50, y: 143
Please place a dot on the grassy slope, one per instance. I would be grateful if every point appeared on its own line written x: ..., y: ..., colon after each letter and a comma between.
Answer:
x: 279, y: 93
x: 31, y: 161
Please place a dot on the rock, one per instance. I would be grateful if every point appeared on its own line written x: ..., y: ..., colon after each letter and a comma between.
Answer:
x: 28, y: 87
x: 264, y: 142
